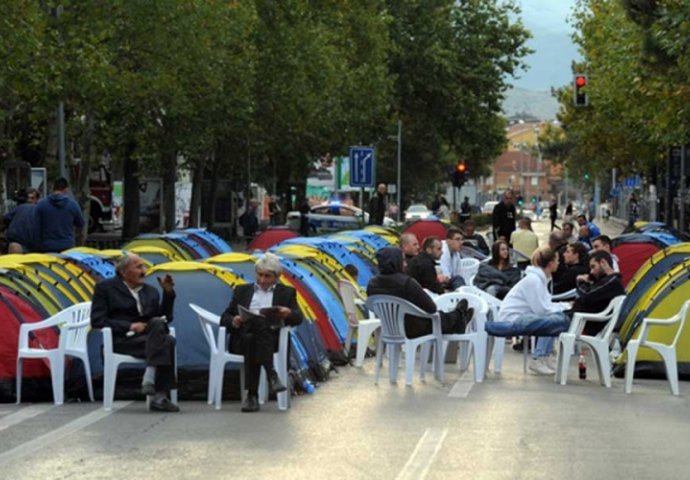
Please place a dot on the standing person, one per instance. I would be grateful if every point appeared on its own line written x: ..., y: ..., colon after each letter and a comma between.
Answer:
x: 524, y: 240
x: 568, y: 215
x: 250, y: 221
x: 553, y: 213
x: 498, y: 275
x: 257, y: 339
x: 273, y: 210
x: 134, y: 312
x: 393, y: 210
x: 377, y: 205
x: 20, y: 223
x: 465, y: 210
x: 528, y: 310
x: 55, y: 218
x: 443, y: 212
x: 592, y: 209
x: 304, y: 210
x: 633, y: 211
x: 504, y: 217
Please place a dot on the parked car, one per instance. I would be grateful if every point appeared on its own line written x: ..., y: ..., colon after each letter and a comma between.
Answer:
x: 417, y: 212
x: 333, y: 216
x: 489, y: 207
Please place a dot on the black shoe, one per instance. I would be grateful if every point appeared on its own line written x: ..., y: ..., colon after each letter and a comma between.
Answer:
x: 148, y: 389
x: 274, y: 384
x: 519, y: 346
x: 164, y: 405
x: 462, y: 305
x: 251, y: 404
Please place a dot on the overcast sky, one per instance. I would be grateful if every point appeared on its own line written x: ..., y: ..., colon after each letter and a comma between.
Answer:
x: 550, y: 64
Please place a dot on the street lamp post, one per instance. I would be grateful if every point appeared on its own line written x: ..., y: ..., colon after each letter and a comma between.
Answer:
x: 397, y: 190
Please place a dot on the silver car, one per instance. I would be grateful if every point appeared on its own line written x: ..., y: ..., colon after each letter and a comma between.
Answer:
x: 332, y: 217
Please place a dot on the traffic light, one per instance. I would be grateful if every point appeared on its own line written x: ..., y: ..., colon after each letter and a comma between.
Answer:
x: 580, y: 97
x: 460, y: 175
x: 520, y: 201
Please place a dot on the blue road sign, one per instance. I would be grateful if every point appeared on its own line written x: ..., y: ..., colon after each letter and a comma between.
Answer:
x: 362, y: 167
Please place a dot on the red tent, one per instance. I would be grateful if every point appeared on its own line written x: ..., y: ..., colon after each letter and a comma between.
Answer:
x: 272, y: 236
x: 427, y: 228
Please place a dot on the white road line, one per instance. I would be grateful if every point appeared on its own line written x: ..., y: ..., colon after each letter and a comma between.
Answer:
x: 24, y: 413
x: 424, y: 453
x: 462, y: 387
x: 43, y: 441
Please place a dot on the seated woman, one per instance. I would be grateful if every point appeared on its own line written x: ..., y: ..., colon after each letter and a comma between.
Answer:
x: 529, y: 310
x: 576, y: 259
x: 498, y: 275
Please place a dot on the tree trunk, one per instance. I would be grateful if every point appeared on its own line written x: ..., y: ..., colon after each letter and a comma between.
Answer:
x: 81, y: 186
x: 168, y: 201
x: 130, y: 185
x: 211, y: 208
x: 195, y: 204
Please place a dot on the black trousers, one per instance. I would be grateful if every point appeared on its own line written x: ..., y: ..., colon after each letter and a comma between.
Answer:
x: 157, y: 347
x: 258, y: 342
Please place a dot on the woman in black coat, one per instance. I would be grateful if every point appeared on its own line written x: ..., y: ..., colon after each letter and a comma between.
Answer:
x: 498, y: 275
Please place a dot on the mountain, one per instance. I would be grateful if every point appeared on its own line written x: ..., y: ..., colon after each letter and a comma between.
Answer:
x: 527, y: 103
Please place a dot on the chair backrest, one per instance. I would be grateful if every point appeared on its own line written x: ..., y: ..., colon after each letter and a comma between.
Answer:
x: 75, y: 322
x: 469, y: 268
x: 493, y: 302
x: 208, y: 322
x: 613, y: 311
x: 347, y: 295
x: 683, y: 316
x: 391, y: 311
x: 448, y: 301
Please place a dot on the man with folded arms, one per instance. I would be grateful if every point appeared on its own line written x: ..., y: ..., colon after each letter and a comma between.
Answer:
x: 257, y: 338
x: 139, y: 321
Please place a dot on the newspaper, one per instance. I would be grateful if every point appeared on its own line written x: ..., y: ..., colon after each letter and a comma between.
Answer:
x: 267, y: 315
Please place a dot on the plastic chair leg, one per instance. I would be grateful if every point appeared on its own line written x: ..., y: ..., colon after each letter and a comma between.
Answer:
x: 669, y: 356
x: 632, y: 348
x: 499, y: 350
x: 243, y: 391
x: 393, y: 362
x: 20, y: 362
x: 567, y: 344
x: 109, y: 379
x: 283, y: 398
x: 479, y: 349
x: 379, y: 359
x: 211, y: 393
x: 348, y: 339
x: 218, y: 375
x: 601, y: 357
x: 57, y: 377
x: 87, y: 371
x: 263, y: 387
x: 410, y: 353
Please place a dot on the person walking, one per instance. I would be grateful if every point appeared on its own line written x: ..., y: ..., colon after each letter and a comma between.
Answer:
x: 20, y: 223
x: 553, y: 213
x: 56, y: 217
x: 377, y: 205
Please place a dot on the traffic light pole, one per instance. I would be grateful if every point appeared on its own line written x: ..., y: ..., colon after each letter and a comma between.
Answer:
x: 397, y: 190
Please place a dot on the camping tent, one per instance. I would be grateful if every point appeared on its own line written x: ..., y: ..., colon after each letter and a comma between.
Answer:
x: 633, y: 250
x: 424, y: 228
x: 270, y: 237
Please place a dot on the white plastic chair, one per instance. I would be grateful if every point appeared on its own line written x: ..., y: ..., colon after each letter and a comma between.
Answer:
x: 365, y: 328
x: 111, y: 362
x: 667, y: 352
x: 74, y: 323
x: 391, y: 311
x: 475, y: 335
x: 494, y: 344
x: 219, y: 356
x: 468, y: 269
x: 598, y: 344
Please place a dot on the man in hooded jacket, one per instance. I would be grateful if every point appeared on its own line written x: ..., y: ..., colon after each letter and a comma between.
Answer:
x: 392, y: 281
x: 56, y: 217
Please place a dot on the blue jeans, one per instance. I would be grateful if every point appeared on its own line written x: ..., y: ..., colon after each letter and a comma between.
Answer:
x: 546, y: 327
x: 456, y: 282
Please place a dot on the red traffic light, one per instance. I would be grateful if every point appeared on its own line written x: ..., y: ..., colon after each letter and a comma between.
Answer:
x: 580, y: 80
x: 461, y: 167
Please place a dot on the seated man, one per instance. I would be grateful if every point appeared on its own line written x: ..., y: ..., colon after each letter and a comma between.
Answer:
x: 603, y: 242
x: 450, y: 259
x: 593, y: 229
x: 392, y: 281
x: 473, y: 239
x: 596, y: 289
x: 423, y: 267
x: 524, y: 240
x: 584, y: 236
x: 257, y: 338
x: 529, y: 310
x: 410, y: 247
x: 568, y: 232
x: 575, y: 258
x: 134, y: 312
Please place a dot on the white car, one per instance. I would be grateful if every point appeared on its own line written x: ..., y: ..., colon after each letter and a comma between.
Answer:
x: 417, y: 212
x: 489, y: 207
x: 332, y: 217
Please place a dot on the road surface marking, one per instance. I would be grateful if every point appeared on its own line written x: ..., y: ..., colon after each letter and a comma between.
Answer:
x: 24, y: 413
x: 462, y: 387
x: 424, y: 453
x: 43, y: 441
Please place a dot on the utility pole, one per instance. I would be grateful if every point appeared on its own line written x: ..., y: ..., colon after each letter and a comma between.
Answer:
x: 57, y: 11
x: 397, y: 190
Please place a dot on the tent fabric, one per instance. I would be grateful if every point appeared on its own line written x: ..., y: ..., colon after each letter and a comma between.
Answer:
x: 155, y: 255
x: 633, y: 250
x: 158, y: 241
x: 213, y: 243
x: 270, y: 237
x: 426, y: 228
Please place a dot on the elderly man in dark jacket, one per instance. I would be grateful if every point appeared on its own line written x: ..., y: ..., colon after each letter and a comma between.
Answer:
x: 391, y: 281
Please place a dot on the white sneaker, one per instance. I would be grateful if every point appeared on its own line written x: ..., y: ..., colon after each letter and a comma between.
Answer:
x: 538, y: 366
x: 551, y: 362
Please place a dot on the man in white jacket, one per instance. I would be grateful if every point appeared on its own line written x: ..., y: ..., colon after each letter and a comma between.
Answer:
x: 528, y: 310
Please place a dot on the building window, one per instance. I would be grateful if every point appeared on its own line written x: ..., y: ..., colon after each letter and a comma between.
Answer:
x: 535, y: 181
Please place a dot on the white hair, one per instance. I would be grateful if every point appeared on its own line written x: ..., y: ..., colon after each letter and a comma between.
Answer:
x: 122, y: 262
x: 269, y: 263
